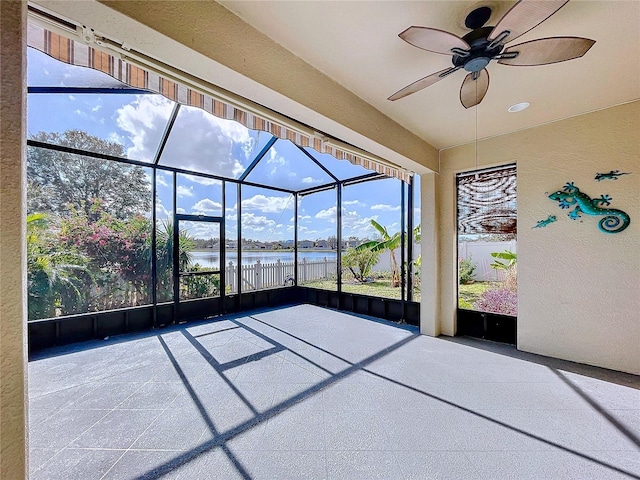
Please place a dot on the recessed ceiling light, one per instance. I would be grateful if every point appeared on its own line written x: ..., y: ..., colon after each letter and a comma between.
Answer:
x: 518, y: 107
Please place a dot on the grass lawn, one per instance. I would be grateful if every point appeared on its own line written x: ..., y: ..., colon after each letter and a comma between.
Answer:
x: 377, y: 288
x: 468, y: 294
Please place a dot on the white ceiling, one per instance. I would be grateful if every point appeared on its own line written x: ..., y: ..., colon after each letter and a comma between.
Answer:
x: 356, y: 43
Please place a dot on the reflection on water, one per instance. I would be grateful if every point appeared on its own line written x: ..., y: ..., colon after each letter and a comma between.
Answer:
x: 212, y: 259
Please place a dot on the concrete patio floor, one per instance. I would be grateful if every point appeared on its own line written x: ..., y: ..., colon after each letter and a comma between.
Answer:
x: 307, y: 392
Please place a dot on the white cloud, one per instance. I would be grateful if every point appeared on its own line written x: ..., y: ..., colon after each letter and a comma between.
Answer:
x: 144, y: 120
x: 357, y: 203
x: 204, y: 143
x: 355, y: 225
x: 266, y: 204
x: 161, y: 212
x: 385, y: 208
x: 96, y: 108
x: 256, y: 223
x: 352, y: 222
x: 180, y: 210
x: 114, y: 137
x: 202, y: 180
x: 275, y: 159
x: 207, y: 206
x: 183, y: 191
x: 329, y: 214
x: 307, y: 231
x: 310, y: 180
x: 204, y: 230
x: 161, y: 181
x: 71, y: 97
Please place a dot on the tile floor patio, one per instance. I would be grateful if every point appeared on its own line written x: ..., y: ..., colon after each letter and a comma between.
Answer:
x: 306, y: 392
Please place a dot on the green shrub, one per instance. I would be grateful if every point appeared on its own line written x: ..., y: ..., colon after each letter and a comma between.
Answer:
x: 466, y: 271
x: 462, y: 303
x: 359, y: 262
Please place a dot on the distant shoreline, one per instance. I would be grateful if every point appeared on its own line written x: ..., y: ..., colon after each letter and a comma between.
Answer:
x: 214, y: 250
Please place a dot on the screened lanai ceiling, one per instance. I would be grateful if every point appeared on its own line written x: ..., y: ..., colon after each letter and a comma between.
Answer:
x: 153, y: 129
x: 166, y: 133
x: 127, y: 76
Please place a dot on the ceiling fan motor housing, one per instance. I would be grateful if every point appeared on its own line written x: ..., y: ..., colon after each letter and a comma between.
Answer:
x: 480, y: 54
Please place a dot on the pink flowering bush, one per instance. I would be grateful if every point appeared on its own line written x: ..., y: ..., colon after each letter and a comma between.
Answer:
x: 499, y: 300
x: 118, y: 253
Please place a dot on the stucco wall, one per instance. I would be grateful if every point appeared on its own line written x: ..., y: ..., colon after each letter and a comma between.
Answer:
x: 12, y: 242
x: 578, y: 288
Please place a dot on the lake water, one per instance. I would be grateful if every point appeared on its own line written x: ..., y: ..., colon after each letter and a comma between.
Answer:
x: 212, y: 260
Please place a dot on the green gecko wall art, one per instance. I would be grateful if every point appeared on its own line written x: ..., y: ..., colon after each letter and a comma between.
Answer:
x: 544, y: 223
x: 612, y: 175
x: 614, y: 220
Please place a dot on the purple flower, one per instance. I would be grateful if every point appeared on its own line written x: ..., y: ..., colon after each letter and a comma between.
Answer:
x: 500, y: 300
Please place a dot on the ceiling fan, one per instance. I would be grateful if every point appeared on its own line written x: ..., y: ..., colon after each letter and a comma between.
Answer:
x: 474, y: 51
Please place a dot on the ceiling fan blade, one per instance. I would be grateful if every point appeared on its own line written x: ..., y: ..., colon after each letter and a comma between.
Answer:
x: 433, y: 40
x: 422, y: 83
x: 473, y: 91
x: 547, y: 50
x: 525, y: 15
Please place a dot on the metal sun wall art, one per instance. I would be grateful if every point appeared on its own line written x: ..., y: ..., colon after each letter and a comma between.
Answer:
x: 614, y: 220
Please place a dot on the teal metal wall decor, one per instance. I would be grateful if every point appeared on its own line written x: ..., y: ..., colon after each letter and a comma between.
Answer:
x: 614, y: 220
x: 544, y: 223
x: 612, y: 175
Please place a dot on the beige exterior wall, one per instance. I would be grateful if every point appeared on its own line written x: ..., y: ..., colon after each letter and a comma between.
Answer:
x: 13, y: 360
x: 429, y: 270
x: 578, y: 288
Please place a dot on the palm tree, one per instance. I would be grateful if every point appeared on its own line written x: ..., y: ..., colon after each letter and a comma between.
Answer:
x: 417, y: 263
x: 164, y: 247
x: 56, y: 279
x: 385, y: 242
x: 164, y: 255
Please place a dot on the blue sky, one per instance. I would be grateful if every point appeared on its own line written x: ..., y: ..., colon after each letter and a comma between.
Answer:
x: 201, y: 142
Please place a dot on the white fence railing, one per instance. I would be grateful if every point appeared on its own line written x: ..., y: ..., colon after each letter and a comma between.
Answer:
x: 258, y: 276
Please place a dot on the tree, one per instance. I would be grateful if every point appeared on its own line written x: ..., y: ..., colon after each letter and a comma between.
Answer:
x: 59, y: 180
x: 417, y: 263
x: 417, y: 238
x: 359, y: 262
x: 56, y: 278
x: 117, y: 253
x: 385, y: 242
x: 164, y: 262
x: 332, y: 241
x: 511, y: 267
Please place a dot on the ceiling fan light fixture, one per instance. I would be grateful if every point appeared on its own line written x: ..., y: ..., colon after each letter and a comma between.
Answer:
x: 475, y: 50
x: 518, y: 107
